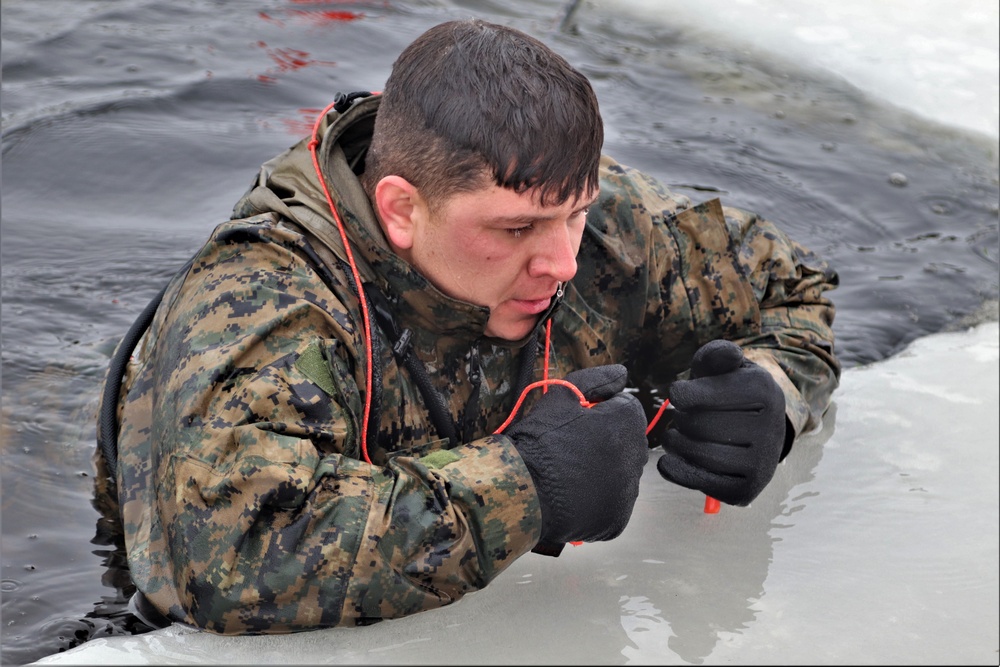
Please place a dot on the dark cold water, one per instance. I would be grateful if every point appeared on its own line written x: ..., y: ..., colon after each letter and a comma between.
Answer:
x: 130, y: 128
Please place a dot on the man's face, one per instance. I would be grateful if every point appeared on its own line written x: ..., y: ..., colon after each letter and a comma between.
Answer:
x: 497, y: 248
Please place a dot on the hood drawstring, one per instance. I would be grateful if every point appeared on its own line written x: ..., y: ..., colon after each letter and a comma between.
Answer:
x: 365, y: 317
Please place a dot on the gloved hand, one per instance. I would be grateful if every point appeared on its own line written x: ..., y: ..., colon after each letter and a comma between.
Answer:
x: 728, y: 427
x: 585, y: 462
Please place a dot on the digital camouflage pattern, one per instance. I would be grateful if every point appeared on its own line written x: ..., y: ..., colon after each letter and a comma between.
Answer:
x: 246, y: 504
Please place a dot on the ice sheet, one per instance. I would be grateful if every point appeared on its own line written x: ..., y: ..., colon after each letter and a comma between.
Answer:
x: 936, y: 59
x: 876, y: 543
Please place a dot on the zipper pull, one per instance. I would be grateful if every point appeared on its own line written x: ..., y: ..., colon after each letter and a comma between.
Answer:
x: 475, y: 367
x: 402, y: 347
x: 472, y: 405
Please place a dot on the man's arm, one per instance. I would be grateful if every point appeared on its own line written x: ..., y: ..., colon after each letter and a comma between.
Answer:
x: 721, y: 312
x: 245, y: 507
x: 677, y: 277
x: 795, y: 341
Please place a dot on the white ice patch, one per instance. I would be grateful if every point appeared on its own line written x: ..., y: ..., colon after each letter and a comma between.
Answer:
x: 940, y: 60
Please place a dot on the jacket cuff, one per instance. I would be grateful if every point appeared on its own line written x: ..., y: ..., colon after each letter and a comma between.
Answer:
x: 491, y: 484
x: 796, y: 409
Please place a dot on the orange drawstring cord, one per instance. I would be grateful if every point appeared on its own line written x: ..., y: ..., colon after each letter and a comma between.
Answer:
x: 535, y: 385
x: 357, y: 281
x: 545, y: 359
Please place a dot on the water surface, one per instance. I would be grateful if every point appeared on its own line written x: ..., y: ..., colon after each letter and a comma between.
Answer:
x: 131, y: 127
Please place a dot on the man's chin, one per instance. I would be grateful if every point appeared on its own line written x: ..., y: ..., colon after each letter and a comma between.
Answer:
x: 512, y: 331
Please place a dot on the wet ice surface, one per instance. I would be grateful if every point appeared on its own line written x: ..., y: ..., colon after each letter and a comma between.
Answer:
x: 936, y: 59
x: 876, y: 543
x: 130, y: 129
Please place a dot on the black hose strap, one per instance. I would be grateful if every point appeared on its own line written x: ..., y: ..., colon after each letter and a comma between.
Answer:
x: 107, y: 438
x: 526, y: 369
x: 439, y: 414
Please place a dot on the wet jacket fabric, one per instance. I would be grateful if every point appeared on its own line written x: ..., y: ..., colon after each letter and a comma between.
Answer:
x: 246, y: 504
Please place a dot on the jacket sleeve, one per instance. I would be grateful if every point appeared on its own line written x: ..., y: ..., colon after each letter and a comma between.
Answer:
x: 245, y: 507
x: 794, y: 340
x: 709, y: 271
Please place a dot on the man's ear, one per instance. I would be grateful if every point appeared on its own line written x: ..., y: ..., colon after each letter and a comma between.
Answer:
x: 399, y: 208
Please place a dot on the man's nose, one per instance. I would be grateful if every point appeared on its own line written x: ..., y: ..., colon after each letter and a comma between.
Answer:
x: 555, y: 256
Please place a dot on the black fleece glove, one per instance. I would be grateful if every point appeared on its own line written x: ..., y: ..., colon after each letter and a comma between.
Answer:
x: 585, y: 462
x: 728, y: 427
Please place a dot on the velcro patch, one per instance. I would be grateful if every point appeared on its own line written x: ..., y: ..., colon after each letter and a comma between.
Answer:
x: 313, y: 365
x: 439, y: 459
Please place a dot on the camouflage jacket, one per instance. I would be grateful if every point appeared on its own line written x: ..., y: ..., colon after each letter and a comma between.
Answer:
x: 246, y: 505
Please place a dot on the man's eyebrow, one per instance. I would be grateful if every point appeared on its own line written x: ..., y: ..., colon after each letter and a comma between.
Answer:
x: 528, y: 218
x: 516, y: 219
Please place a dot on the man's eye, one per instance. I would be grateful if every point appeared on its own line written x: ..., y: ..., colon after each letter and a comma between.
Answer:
x: 517, y: 231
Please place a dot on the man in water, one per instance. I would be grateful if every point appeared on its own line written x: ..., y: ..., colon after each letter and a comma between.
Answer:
x: 315, y: 429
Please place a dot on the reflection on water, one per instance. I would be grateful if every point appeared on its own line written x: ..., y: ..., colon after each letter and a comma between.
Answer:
x: 674, y: 585
x: 645, y: 627
x: 129, y: 130
x: 715, y: 590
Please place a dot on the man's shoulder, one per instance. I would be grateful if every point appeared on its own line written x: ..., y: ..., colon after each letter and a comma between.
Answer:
x: 627, y: 192
x: 268, y: 237
x: 262, y: 227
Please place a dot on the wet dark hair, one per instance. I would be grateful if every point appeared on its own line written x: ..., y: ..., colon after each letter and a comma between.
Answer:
x: 469, y: 101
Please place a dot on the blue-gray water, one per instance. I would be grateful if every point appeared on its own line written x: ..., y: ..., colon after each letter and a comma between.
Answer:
x: 131, y: 127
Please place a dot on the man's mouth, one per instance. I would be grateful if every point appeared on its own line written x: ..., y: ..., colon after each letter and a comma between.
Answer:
x: 532, y: 306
